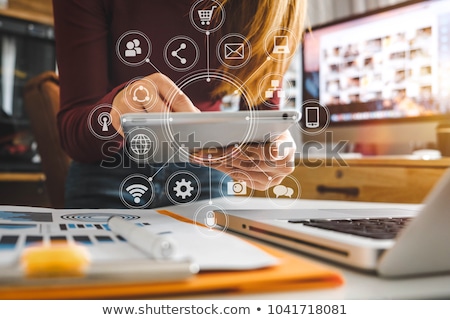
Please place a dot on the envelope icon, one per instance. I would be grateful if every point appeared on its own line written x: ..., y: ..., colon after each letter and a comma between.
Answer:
x: 234, y: 51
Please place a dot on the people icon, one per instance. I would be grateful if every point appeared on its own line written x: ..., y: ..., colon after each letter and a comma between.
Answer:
x: 133, y: 48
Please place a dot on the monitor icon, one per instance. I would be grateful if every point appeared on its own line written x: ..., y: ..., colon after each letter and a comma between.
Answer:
x: 281, y: 44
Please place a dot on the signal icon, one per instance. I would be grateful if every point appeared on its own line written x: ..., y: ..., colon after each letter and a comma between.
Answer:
x: 137, y: 191
x: 141, y: 190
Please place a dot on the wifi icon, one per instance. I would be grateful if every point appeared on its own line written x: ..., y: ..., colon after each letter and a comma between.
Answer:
x: 137, y: 191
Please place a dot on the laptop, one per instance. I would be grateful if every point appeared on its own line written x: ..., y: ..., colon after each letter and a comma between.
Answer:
x: 390, y: 242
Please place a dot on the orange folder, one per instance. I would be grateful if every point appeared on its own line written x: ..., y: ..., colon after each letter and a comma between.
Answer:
x: 292, y: 273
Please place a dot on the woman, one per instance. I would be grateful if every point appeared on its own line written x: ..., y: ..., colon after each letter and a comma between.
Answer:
x: 113, y: 54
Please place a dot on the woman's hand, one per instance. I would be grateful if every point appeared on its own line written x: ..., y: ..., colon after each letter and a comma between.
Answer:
x: 153, y: 93
x: 260, y: 166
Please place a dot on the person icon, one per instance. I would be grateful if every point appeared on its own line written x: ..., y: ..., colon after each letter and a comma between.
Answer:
x: 137, y: 46
x: 133, y: 48
x: 130, y: 52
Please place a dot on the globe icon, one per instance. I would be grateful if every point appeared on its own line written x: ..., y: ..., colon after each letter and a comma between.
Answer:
x: 140, y: 144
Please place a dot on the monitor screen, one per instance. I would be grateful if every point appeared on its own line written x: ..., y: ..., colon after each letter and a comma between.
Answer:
x: 390, y: 64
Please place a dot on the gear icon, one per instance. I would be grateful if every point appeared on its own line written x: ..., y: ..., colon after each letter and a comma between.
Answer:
x: 183, y: 189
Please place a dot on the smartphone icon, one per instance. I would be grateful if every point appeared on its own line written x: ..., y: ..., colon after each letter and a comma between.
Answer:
x: 312, y: 117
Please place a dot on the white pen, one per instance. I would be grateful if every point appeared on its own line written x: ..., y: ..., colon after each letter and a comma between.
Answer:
x: 157, y: 246
x: 69, y: 262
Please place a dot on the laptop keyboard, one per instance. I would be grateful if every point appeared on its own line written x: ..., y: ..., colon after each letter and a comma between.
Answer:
x: 379, y: 228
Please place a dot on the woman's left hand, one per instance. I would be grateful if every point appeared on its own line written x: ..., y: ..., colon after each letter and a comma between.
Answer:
x: 260, y: 166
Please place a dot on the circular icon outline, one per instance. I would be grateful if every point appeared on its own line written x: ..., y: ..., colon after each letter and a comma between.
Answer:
x: 166, y: 53
x: 269, y: 142
x: 207, y: 31
x: 327, y: 124
x: 261, y: 89
x: 131, y: 91
x: 121, y: 191
x: 147, y: 56
x: 204, y: 229
x: 169, y: 192
x: 90, y: 119
x: 208, y: 75
x: 283, y: 56
x: 149, y: 154
x: 277, y: 203
x: 219, y: 50
x: 227, y: 197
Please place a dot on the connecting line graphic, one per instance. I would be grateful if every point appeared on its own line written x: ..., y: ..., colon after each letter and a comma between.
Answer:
x: 156, y: 173
x: 269, y: 178
x: 209, y: 174
x: 207, y: 56
x: 210, y: 192
x: 251, y: 76
x: 150, y: 63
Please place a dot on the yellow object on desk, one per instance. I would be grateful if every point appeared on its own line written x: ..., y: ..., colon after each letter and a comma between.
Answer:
x: 70, y: 263
x: 56, y: 259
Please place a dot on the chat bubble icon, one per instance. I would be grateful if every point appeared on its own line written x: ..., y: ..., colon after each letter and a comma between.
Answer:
x: 289, y: 192
x: 283, y: 191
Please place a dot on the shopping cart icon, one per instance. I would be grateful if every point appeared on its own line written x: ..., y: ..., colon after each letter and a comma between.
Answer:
x: 206, y: 15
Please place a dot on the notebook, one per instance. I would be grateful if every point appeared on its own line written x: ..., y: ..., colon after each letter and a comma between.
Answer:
x: 393, y: 242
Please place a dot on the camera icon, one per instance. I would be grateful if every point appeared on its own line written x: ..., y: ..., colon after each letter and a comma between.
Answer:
x: 236, y: 188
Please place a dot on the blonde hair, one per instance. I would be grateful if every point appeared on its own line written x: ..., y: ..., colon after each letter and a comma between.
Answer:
x: 256, y: 20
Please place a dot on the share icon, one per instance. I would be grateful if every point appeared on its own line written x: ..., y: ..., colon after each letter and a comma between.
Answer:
x: 175, y: 53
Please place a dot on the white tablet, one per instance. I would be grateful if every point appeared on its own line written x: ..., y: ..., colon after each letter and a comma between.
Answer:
x: 176, y: 136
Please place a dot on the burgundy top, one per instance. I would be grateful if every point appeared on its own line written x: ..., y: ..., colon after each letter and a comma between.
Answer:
x: 91, y: 39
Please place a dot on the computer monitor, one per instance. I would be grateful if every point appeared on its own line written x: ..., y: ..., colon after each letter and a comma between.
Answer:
x: 390, y: 66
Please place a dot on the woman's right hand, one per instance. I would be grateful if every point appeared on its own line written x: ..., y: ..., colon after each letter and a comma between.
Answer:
x: 163, y: 96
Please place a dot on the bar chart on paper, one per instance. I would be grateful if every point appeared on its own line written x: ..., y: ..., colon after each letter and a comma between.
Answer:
x: 22, y: 229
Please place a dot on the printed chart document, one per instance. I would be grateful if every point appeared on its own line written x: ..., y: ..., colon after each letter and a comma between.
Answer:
x: 225, y: 262
x: 22, y: 227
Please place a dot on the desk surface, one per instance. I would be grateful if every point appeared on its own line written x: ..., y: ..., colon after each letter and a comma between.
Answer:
x: 358, y: 285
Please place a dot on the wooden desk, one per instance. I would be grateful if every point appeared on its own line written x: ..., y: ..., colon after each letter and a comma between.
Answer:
x: 372, y: 179
x: 39, y: 11
x: 23, y: 189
